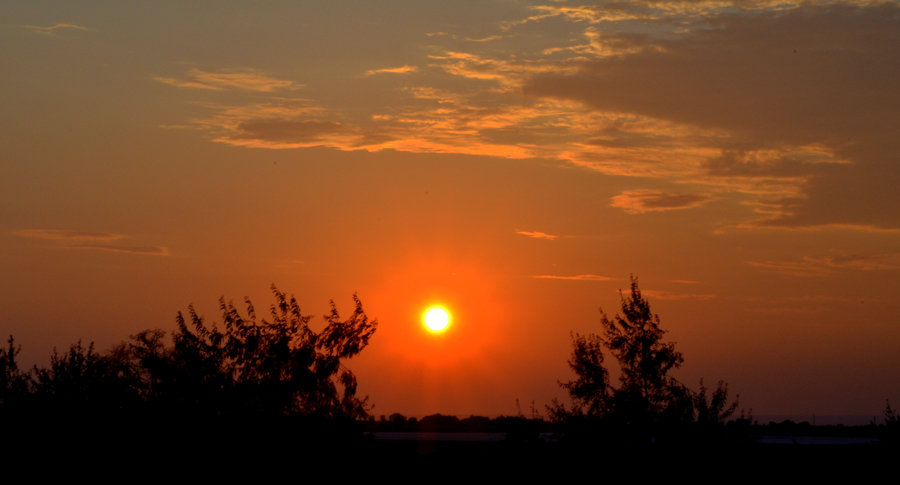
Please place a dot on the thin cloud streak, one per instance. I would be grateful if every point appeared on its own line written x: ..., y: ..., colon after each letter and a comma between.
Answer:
x: 392, y: 70
x: 54, y: 29
x: 537, y: 235
x: 676, y: 296
x: 100, y: 241
x: 66, y: 235
x: 246, y: 79
x: 643, y: 201
x: 580, y: 277
x: 827, y: 265
x: 125, y: 249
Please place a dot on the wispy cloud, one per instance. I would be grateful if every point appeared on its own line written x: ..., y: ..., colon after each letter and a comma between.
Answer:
x: 826, y: 265
x: 588, y: 92
x: 126, y: 249
x: 782, y: 136
x: 773, y: 224
x: 641, y: 201
x: 245, y: 79
x: 392, y: 70
x: 674, y: 295
x: 537, y: 235
x: 580, y: 277
x: 99, y: 241
x: 56, y: 28
x: 67, y: 235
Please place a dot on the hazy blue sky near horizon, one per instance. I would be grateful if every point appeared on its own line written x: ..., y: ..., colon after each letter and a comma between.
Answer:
x: 513, y: 160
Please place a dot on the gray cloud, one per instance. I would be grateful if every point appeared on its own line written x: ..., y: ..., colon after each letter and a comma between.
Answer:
x: 813, y: 76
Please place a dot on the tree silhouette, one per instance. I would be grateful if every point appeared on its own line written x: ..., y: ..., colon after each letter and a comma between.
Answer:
x: 14, y: 384
x: 83, y: 382
x: 635, y: 339
x: 246, y: 367
x: 272, y: 367
x: 647, y: 399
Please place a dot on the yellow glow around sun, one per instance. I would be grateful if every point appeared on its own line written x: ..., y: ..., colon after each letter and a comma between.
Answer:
x: 436, y: 319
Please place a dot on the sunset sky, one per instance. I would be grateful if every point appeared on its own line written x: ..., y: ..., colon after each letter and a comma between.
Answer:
x: 512, y: 160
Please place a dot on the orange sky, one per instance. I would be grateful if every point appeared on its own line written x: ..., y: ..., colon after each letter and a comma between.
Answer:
x: 515, y: 161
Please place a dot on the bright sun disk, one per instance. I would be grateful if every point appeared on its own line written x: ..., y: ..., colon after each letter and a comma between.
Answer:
x: 437, y: 319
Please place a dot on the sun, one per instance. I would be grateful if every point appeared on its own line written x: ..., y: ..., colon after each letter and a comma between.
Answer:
x: 436, y: 319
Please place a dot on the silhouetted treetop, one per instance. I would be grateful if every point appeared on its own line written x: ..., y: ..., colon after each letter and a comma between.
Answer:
x: 647, y: 397
x: 275, y: 366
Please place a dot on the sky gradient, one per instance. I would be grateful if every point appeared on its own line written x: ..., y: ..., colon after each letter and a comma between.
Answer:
x: 514, y: 161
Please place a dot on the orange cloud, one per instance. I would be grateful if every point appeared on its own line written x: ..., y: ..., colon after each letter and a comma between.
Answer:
x: 247, y: 79
x: 642, y: 201
x: 580, y: 277
x: 717, y: 107
x: 392, y: 70
x: 537, y: 235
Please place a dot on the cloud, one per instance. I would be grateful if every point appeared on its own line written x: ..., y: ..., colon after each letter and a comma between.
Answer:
x: 67, y: 235
x: 784, y: 110
x: 127, y: 249
x: 767, y: 224
x: 805, y: 93
x: 580, y: 277
x: 54, y: 29
x: 100, y: 241
x: 537, y: 235
x: 826, y: 265
x: 508, y: 74
x: 673, y: 296
x: 246, y: 79
x: 285, y: 131
x: 392, y: 70
x: 642, y: 201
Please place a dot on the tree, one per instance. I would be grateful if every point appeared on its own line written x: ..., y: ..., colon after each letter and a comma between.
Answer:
x: 635, y: 339
x: 14, y: 384
x: 647, y: 396
x: 81, y: 381
x: 275, y: 367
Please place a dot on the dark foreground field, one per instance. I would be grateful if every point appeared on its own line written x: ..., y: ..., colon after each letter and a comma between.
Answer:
x: 272, y: 450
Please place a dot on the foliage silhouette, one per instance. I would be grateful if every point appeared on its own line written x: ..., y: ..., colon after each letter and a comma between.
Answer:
x: 269, y: 367
x: 14, y: 384
x: 248, y: 367
x: 890, y: 433
x: 83, y: 382
x: 648, y: 402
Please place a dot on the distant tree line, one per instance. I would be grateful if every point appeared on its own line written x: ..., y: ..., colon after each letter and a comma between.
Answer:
x: 246, y: 368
